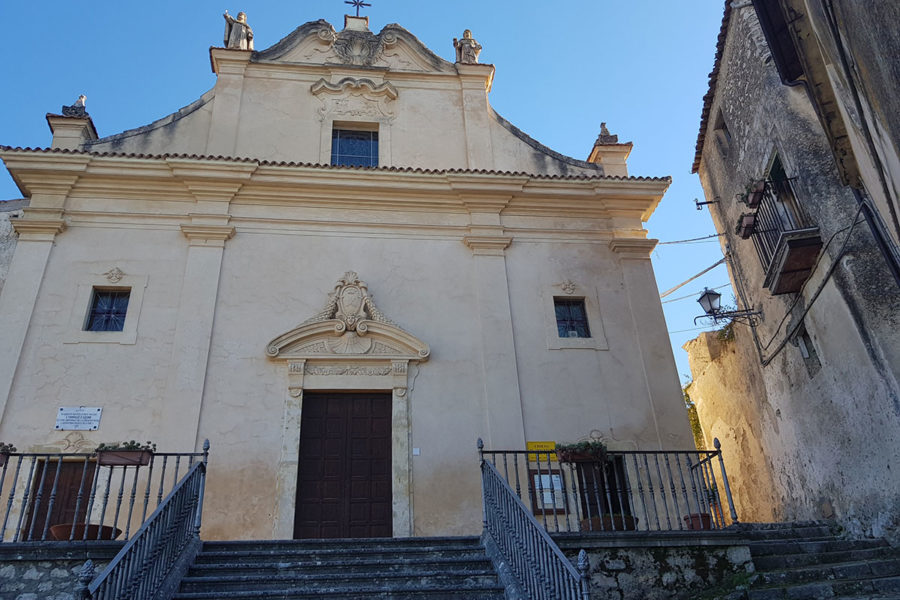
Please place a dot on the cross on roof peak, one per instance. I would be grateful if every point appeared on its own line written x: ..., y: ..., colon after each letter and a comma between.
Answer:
x: 358, y: 4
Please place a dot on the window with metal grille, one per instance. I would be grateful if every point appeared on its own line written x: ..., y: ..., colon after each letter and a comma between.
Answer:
x: 108, y: 308
x: 350, y: 147
x: 571, y: 318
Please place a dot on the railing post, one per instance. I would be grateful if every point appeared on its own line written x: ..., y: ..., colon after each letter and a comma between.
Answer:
x: 85, y: 576
x: 480, y: 445
x: 584, y: 570
x: 199, y: 516
x: 718, y: 446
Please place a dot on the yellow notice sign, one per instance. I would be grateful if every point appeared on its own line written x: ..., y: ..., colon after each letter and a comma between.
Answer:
x: 543, y: 458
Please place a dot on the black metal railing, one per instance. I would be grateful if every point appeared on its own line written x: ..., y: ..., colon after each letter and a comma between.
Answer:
x: 539, y: 566
x: 70, y: 497
x: 778, y: 212
x: 628, y: 491
x: 143, y: 565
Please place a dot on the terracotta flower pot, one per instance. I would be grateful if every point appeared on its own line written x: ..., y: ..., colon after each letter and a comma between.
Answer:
x: 698, y: 521
x: 127, y: 458
x: 62, y: 531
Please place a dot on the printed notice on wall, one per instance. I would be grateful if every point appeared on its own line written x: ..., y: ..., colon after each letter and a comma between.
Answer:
x: 78, y: 418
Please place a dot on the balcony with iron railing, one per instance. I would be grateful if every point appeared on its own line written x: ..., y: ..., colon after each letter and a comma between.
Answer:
x: 786, y: 240
x: 81, y: 496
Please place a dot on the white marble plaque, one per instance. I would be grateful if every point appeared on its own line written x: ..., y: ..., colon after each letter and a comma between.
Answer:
x: 78, y: 418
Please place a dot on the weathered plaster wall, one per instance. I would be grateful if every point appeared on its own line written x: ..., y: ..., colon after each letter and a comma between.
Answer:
x: 828, y: 454
x: 867, y: 91
x: 730, y: 396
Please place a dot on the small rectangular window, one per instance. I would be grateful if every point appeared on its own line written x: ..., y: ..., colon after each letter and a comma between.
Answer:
x: 350, y: 147
x: 571, y: 318
x: 108, y: 308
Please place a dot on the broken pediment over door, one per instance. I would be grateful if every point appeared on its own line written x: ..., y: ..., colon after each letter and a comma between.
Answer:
x: 350, y: 326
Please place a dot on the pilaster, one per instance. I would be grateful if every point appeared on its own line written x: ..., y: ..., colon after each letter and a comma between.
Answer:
x: 476, y: 83
x: 504, y: 417
x: 37, y: 230
x: 207, y: 232
x: 229, y: 65
x: 651, y: 340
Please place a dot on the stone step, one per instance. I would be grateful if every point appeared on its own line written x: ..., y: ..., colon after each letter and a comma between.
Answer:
x: 787, y: 561
x: 311, y: 582
x: 353, y: 565
x: 812, y: 546
x: 324, y: 544
x: 338, y: 554
x: 848, y: 570
x: 802, y: 532
x: 884, y: 587
x: 472, y: 592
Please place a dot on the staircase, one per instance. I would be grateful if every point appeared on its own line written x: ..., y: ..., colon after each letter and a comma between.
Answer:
x: 389, y: 568
x: 807, y: 561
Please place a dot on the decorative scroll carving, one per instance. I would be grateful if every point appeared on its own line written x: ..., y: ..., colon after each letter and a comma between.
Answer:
x: 347, y: 370
x: 114, y: 275
x: 349, y: 325
x: 351, y: 97
x: 358, y: 47
x: 350, y: 303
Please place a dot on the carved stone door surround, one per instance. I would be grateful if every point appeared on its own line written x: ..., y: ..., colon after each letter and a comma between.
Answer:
x: 349, y: 345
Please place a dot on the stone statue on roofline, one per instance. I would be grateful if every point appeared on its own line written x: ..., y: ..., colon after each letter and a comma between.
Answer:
x: 238, y: 34
x: 76, y: 110
x: 467, y: 49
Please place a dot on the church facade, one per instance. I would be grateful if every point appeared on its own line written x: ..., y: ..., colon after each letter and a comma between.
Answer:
x: 342, y: 267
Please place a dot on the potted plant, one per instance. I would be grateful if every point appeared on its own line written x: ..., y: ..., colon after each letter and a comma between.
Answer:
x: 5, y: 451
x: 129, y: 453
x: 585, y: 451
x: 746, y: 225
x: 754, y: 193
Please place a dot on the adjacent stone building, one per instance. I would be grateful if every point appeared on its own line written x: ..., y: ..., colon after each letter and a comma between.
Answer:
x: 340, y: 250
x: 809, y: 397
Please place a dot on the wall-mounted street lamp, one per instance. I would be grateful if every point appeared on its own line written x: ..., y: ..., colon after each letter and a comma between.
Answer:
x: 711, y: 301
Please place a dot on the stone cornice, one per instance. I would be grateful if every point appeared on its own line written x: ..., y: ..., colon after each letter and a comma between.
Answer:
x: 226, y: 61
x: 261, y: 183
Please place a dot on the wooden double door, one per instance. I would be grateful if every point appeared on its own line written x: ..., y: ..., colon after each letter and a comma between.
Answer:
x: 344, y: 468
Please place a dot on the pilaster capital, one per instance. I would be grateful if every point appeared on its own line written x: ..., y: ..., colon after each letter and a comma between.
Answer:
x: 38, y: 230
x: 636, y: 248
x: 490, y: 245
x: 208, y: 235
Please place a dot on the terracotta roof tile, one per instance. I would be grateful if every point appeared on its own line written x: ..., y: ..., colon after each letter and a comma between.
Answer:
x: 333, y: 167
x: 713, y: 79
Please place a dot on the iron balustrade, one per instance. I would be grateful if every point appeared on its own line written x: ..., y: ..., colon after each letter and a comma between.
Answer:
x: 142, y: 567
x: 778, y: 213
x: 631, y: 490
x: 82, y: 499
x: 539, y: 566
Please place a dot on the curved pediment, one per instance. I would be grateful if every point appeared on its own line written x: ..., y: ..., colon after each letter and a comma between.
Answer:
x: 329, y: 338
x: 317, y: 42
x: 349, y: 326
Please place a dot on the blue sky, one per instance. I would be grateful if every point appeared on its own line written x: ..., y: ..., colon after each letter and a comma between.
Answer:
x: 562, y: 68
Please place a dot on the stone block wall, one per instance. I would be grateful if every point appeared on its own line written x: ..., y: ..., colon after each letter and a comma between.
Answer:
x: 657, y: 571
x: 48, y: 571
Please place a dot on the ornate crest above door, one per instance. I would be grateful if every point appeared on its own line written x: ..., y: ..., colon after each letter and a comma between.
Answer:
x: 350, y: 326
